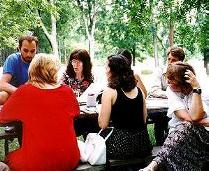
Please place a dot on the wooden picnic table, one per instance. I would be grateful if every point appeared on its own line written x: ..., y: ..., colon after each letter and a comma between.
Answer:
x: 157, y: 108
x: 87, y: 121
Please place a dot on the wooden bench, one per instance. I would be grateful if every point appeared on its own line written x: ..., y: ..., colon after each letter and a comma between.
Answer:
x: 9, y: 132
x: 111, y: 164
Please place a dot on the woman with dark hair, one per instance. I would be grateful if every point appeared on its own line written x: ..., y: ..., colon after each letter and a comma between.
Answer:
x: 78, y: 74
x: 128, y: 55
x: 123, y: 104
x: 187, y: 145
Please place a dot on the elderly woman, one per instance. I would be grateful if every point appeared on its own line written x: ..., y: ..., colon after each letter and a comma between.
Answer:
x: 187, y: 145
x: 123, y: 104
x: 78, y: 74
x: 46, y: 110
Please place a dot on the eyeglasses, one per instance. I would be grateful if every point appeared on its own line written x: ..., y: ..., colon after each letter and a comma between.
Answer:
x: 74, y: 61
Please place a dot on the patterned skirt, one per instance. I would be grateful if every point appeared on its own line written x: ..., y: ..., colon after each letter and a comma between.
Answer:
x: 185, y: 149
x: 128, y: 144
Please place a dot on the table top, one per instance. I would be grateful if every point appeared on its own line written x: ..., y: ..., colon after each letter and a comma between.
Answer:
x: 156, y: 103
x: 153, y: 105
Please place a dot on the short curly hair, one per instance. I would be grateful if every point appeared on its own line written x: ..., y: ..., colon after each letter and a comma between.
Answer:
x: 126, y: 53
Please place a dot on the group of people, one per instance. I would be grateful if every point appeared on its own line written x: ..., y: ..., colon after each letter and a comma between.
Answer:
x: 31, y: 92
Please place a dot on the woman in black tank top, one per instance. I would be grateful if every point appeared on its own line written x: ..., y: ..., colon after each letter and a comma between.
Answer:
x: 123, y: 105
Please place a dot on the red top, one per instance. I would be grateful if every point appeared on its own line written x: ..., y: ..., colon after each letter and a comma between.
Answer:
x: 48, y: 140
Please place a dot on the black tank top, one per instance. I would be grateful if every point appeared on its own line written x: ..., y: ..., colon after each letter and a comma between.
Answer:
x: 128, y: 113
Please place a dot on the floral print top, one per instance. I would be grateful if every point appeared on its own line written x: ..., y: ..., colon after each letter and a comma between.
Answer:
x: 78, y: 86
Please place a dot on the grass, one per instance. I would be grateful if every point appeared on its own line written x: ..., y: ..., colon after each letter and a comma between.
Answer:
x: 150, y: 128
x: 12, y: 146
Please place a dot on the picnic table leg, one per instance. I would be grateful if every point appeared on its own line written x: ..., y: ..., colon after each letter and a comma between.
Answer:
x: 161, y: 129
x: 6, y: 146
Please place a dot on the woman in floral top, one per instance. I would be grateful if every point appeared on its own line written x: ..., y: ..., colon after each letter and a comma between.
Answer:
x: 78, y: 74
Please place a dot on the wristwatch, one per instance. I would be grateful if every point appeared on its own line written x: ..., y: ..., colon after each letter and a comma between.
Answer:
x: 197, y: 90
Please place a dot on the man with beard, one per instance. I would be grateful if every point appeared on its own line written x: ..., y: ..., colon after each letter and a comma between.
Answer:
x: 15, y: 69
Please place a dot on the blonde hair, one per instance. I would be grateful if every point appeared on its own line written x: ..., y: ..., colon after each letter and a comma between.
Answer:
x: 43, y: 70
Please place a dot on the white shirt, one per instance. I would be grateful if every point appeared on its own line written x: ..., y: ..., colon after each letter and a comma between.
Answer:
x: 159, y: 84
x: 177, y: 101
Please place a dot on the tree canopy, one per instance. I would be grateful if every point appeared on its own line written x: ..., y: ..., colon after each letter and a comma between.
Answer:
x: 145, y: 27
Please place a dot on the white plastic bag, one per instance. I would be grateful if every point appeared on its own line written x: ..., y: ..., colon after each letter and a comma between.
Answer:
x: 93, y: 150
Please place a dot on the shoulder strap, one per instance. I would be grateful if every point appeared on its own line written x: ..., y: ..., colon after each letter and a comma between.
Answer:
x: 108, y: 135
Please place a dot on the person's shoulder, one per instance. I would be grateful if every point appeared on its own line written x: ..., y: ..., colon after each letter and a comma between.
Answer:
x: 109, y: 91
x: 66, y: 88
x: 14, y: 56
x: 169, y: 91
x: 136, y: 75
x: 23, y: 88
x: 173, y: 95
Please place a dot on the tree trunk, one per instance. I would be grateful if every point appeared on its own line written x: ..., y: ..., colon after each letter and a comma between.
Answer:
x: 52, y: 37
x: 206, y: 60
x: 171, y: 34
x: 134, y: 54
x: 89, y: 21
x: 91, y: 46
x: 155, y: 45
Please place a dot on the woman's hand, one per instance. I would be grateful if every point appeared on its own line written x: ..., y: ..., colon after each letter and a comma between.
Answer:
x: 204, y: 122
x: 191, y: 79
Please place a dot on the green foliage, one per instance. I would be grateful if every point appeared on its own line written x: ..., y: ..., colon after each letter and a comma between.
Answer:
x: 119, y: 24
x: 126, y: 29
x: 150, y: 128
x: 18, y: 17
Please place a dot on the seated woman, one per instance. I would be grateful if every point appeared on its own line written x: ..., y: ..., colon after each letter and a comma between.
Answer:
x: 187, y: 145
x: 46, y: 110
x: 124, y: 105
x: 78, y: 74
x: 128, y: 55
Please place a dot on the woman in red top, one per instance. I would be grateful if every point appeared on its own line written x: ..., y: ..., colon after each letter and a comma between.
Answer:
x: 46, y: 110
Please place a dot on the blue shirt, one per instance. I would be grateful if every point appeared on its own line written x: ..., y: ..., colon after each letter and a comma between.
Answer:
x: 15, y: 66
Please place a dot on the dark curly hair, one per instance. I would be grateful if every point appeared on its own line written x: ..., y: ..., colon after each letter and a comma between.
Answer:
x: 126, y: 53
x: 122, y: 75
x: 83, y: 56
x: 176, y: 72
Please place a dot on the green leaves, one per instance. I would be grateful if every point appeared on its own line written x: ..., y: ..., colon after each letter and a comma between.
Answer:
x: 112, y: 24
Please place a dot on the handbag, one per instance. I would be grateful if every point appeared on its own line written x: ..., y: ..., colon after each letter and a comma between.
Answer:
x: 93, y: 150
